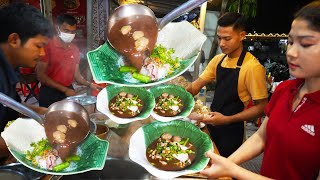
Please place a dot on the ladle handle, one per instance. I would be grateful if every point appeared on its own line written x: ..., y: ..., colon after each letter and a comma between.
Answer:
x: 11, y: 103
x: 185, y: 7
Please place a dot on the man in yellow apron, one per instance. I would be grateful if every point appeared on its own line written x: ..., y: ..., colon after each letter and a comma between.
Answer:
x: 239, y: 78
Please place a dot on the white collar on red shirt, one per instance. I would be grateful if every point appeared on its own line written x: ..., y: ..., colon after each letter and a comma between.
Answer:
x: 315, y: 96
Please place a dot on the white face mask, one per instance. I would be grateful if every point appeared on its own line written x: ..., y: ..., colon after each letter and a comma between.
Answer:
x: 66, y: 37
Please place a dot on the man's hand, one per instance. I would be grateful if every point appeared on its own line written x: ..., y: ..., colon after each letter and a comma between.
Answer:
x: 194, y: 87
x: 37, y: 109
x: 70, y: 92
x: 215, y: 118
x: 95, y: 87
x: 42, y: 110
x: 195, y: 116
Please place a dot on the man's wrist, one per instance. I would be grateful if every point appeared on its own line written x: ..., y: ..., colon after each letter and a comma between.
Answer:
x: 65, y: 89
x: 229, y: 119
x: 88, y: 84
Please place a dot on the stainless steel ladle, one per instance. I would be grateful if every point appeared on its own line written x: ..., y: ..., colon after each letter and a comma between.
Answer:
x: 65, y: 105
x: 11, y: 103
x: 131, y: 11
x: 54, y: 110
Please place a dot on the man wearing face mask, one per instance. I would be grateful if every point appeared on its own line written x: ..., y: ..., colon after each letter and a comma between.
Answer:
x: 60, y: 67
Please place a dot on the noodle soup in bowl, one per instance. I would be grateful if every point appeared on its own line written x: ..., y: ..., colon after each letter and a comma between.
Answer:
x: 142, y: 141
x: 115, y: 101
x: 171, y: 102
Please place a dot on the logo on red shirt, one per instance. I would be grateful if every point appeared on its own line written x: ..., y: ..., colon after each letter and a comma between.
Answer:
x: 309, y: 129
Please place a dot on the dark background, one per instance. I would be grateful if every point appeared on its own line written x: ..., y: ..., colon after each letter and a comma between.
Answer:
x: 275, y: 16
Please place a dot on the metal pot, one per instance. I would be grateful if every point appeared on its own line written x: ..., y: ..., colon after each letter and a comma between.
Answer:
x: 145, y: 21
x: 17, y: 171
x: 88, y: 102
x: 12, y: 174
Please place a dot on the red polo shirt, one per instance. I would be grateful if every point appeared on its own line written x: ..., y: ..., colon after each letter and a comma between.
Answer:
x: 292, y: 149
x: 61, y: 61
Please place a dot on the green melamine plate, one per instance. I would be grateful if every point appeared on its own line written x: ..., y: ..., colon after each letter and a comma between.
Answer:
x: 92, y: 152
x: 106, y: 94
x: 186, y: 97
x: 105, y: 62
x: 148, y: 133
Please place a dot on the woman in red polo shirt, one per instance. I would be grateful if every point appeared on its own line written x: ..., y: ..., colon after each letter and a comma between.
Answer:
x: 290, y: 134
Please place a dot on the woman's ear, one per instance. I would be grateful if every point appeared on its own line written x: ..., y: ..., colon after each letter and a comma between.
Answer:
x: 14, y: 40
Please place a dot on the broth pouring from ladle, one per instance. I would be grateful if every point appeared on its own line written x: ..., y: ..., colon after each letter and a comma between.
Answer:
x: 130, y: 19
x: 62, y: 113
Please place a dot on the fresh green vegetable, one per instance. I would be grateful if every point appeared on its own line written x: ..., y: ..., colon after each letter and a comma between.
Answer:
x: 164, y: 55
x: 73, y: 158
x: 167, y: 149
x: 128, y: 69
x: 123, y: 103
x: 66, y: 164
x: 135, y: 74
x: 159, y: 54
x: 141, y: 77
x: 184, y: 141
x: 42, y: 149
x: 61, y: 166
x: 9, y: 123
x: 39, y: 149
x: 165, y: 103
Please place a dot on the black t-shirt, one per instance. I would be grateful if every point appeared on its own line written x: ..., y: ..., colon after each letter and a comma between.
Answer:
x: 8, y: 81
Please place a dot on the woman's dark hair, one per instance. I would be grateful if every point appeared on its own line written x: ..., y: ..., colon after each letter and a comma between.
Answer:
x: 25, y: 20
x: 310, y: 13
x: 236, y: 20
x: 66, y: 18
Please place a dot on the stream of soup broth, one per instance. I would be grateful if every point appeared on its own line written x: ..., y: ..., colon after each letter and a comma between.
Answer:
x: 74, y: 135
x: 125, y: 44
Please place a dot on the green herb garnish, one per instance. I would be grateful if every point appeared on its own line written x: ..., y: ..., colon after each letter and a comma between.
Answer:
x: 164, y: 56
x: 39, y: 148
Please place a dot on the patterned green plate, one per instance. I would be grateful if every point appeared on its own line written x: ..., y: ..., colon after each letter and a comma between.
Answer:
x: 92, y: 152
x: 148, y: 133
x: 176, y: 90
x: 104, y: 63
x: 111, y: 91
